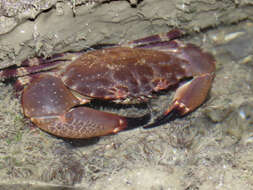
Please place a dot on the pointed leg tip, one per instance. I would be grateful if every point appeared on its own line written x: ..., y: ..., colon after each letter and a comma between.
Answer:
x: 165, y: 118
x: 177, y: 109
x: 133, y: 122
x: 175, y: 33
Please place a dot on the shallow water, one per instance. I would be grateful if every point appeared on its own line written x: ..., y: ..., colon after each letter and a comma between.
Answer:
x: 211, y: 148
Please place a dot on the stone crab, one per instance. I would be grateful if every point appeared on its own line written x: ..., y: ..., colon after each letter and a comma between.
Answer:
x: 56, y: 88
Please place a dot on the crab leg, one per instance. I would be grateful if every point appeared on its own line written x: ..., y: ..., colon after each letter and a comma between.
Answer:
x: 67, y: 56
x: 23, y: 71
x: 56, y: 112
x: 171, y: 35
x: 35, y: 65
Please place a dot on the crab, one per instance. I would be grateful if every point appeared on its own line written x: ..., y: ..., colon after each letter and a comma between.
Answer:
x: 56, y: 88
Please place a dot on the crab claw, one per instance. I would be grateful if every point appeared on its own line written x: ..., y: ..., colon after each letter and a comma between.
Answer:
x: 81, y: 122
x: 51, y: 106
x: 187, y: 98
x: 192, y: 93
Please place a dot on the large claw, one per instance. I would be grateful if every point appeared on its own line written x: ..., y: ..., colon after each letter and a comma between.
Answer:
x: 51, y: 106
x: 81, y: 122
x: 191, y: 95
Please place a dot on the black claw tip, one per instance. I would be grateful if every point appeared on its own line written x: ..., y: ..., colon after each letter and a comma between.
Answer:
x: 163, y: 119
x: 133, y: 122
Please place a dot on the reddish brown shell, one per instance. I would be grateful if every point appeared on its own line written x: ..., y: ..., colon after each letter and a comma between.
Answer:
x: 121, y: 73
